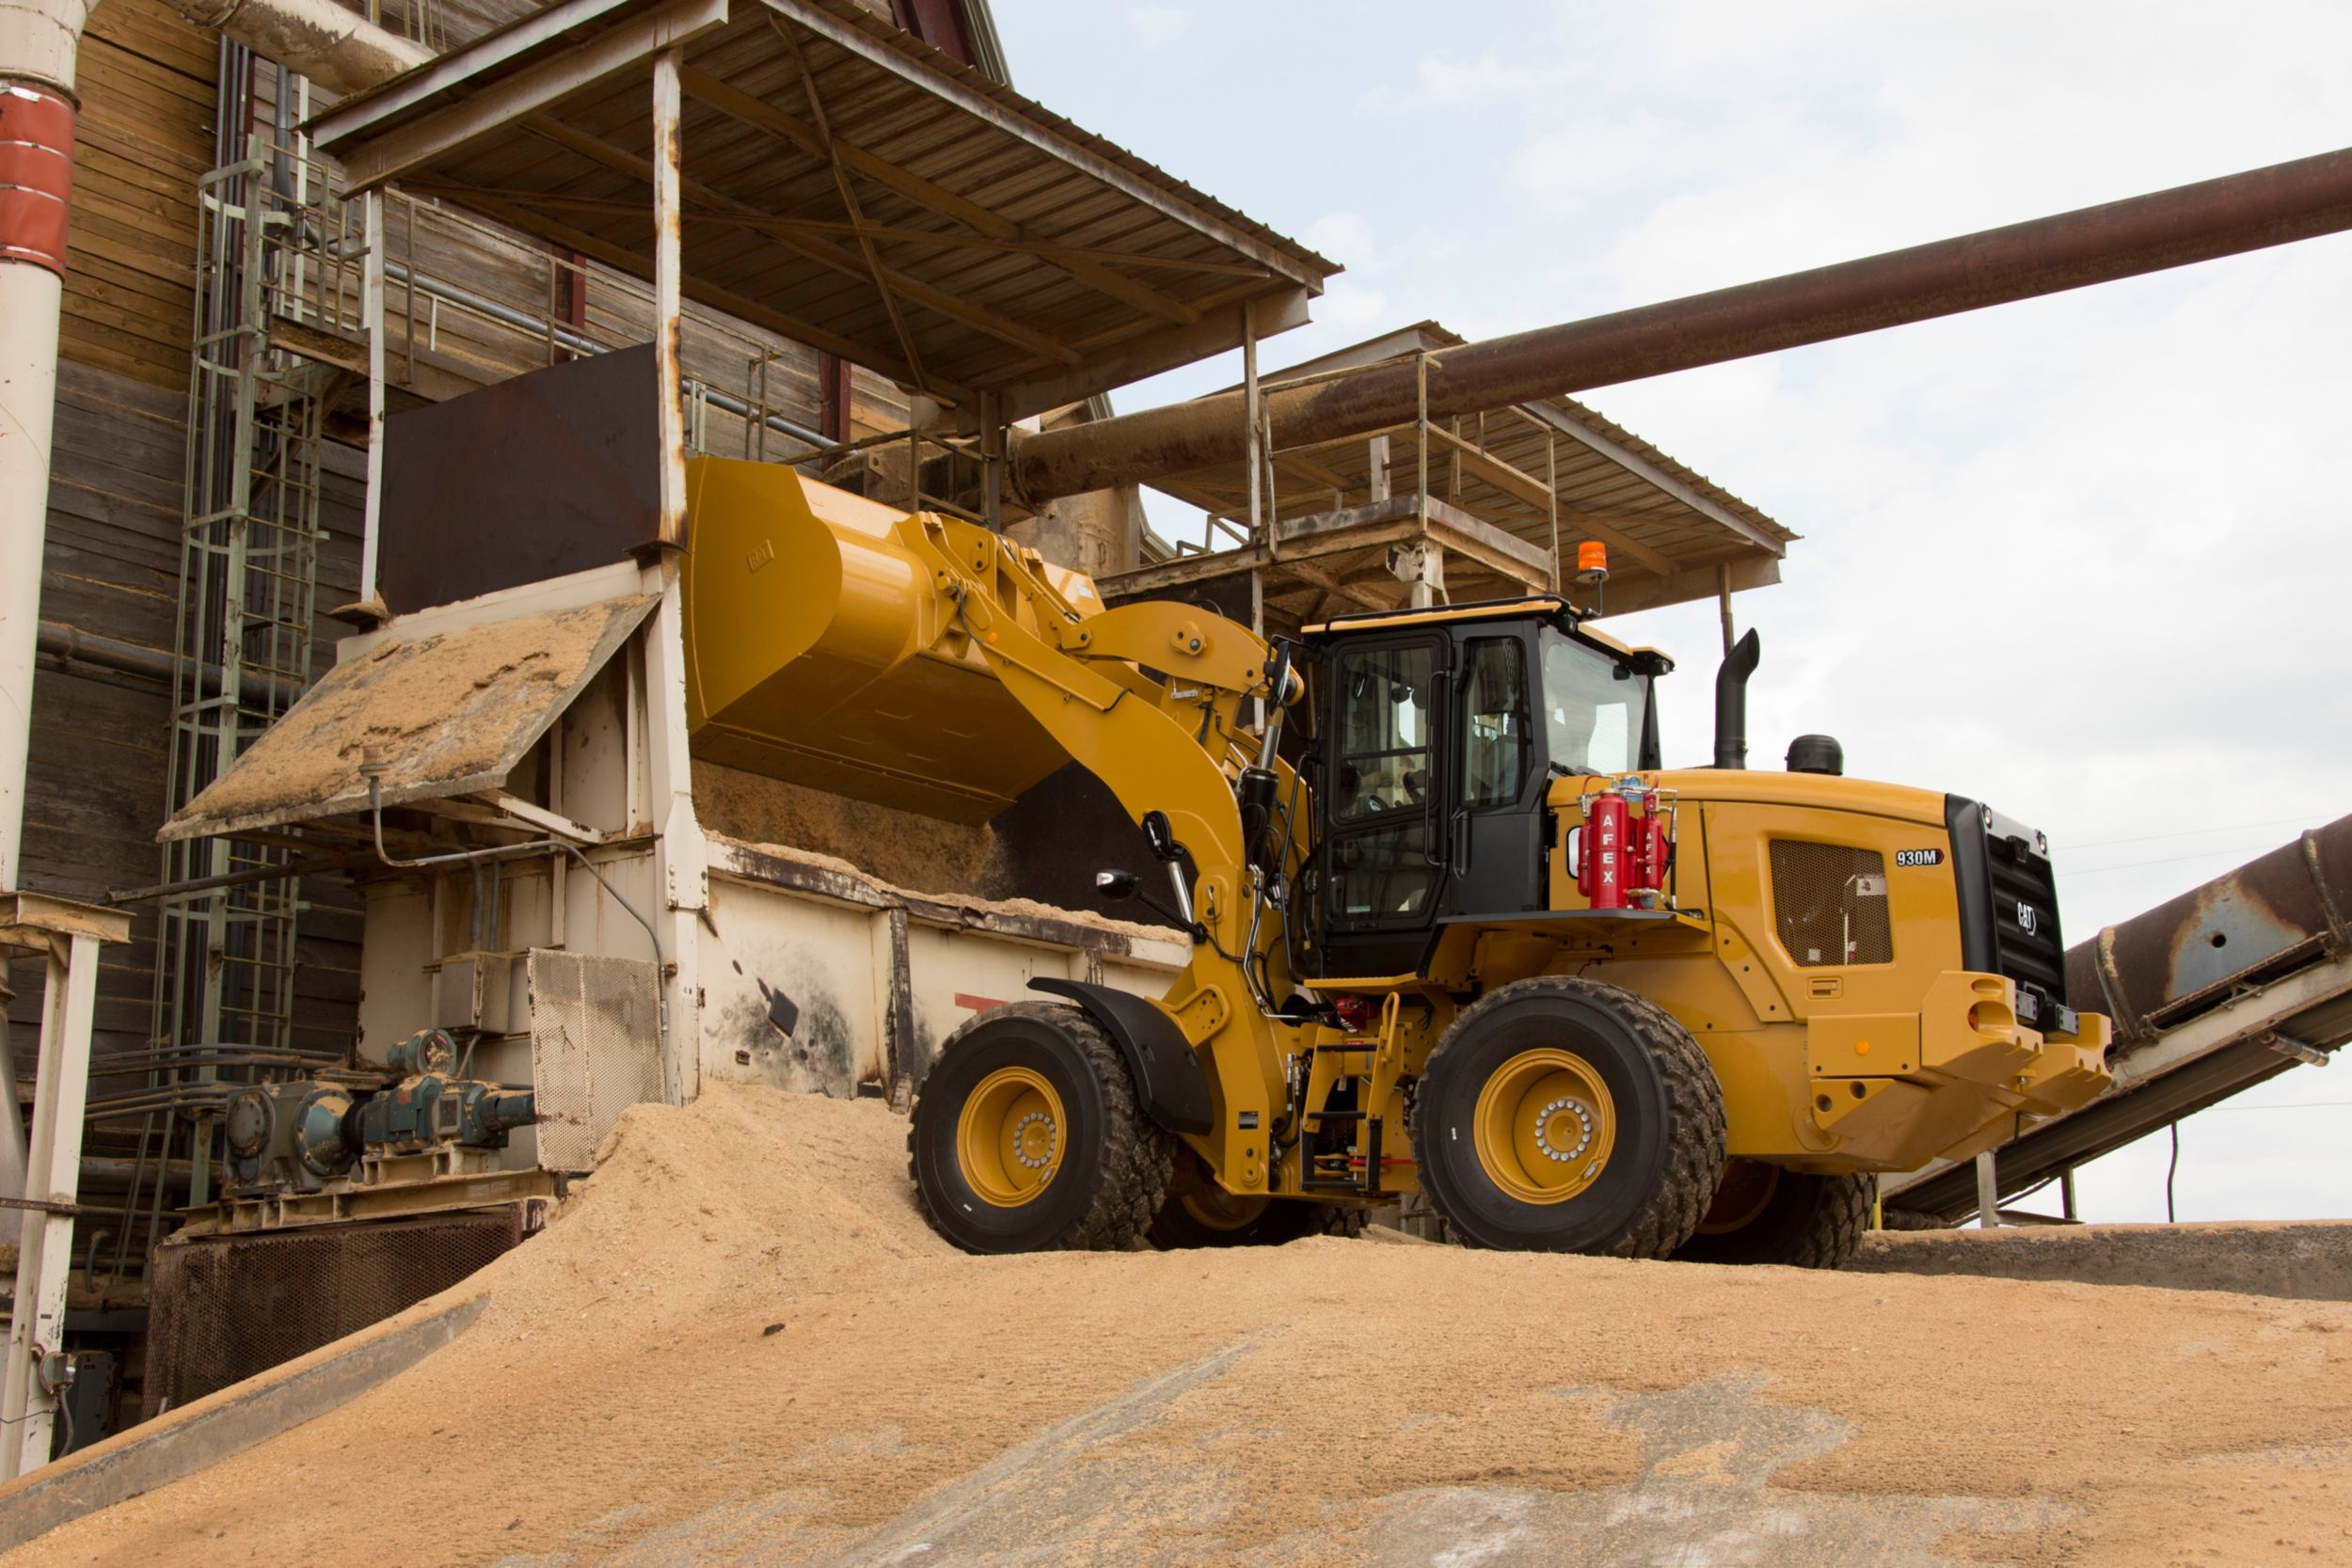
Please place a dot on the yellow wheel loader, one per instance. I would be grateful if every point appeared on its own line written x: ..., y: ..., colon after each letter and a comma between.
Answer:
x: 1456, y: 928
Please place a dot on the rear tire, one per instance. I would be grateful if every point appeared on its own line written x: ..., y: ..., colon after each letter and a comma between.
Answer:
x: 1802, y: 1221
x: 1563, y: 1115
x: 1028, y: 1137
x: 1199, y: 1213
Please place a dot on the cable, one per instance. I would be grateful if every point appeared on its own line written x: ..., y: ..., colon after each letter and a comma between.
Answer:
x: 2169, y: 1171
x: 2192, y: 833
x: 2170, y: 860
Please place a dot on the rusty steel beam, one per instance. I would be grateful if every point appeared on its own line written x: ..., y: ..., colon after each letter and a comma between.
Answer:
x: 2237, y: 212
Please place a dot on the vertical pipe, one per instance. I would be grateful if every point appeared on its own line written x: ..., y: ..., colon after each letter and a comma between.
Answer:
x: 1988, y: 1192
x: 667, y: 262
x: 38, y: 45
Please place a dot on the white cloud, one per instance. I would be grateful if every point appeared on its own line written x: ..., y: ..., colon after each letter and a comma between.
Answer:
x: 1159, y: 26
x: 1441, y: 81
x: 2083, y: 557
x: 1345, y: 238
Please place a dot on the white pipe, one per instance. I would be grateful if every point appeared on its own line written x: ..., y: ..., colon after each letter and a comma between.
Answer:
x: 40, y: 39
x: 338, y: 49
x: 38, y: 42
x: 29, y: 301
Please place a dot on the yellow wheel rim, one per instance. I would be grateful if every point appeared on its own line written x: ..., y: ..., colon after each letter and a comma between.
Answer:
x: 1011, y: 1136
x: 1545, y: 1126
x: 1747, y: 1190
x: 1220, y: 1209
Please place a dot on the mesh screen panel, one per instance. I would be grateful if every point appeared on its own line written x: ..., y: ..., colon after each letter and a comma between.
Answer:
x: 1831, y: 904
x: 223, y: 1308
x: 595, y: 1049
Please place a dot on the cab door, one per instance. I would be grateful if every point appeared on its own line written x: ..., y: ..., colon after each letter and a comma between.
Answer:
x: 1495, y: 832
x: 1384, y: 803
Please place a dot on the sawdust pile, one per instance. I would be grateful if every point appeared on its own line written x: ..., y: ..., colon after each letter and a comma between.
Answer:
x: 741, y: 1344
x: 905, y: 848
x: 979, y: 905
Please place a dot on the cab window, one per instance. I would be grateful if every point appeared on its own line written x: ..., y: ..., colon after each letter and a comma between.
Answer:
x: 1498, y: 744
x: 1385, y: 702
x: 1592, y: 708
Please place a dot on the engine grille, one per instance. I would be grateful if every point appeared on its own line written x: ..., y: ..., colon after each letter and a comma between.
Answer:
x: 1830, y: 901
x: 223, y: 1308
x: 2008, y: 908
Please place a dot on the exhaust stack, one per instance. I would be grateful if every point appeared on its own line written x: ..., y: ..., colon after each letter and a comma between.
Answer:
x: 1731, y: 702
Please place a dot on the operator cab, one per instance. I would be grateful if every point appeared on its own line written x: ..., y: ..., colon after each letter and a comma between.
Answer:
x: 1438, y: 733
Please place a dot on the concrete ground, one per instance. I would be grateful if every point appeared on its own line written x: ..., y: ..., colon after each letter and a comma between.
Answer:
x: 2307, y: 1260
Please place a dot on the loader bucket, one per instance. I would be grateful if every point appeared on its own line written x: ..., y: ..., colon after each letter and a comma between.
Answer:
x: 818, y: 651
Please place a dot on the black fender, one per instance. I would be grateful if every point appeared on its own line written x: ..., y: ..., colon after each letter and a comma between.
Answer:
x: 1170, y: 1079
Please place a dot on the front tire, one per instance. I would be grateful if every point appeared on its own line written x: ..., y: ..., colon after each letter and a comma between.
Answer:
x: 1764, y: 1214
x: 1563, y: 1115
x: 1028, y: 1137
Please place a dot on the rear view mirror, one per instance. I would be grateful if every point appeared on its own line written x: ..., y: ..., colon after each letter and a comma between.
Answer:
x: 1115, y: 886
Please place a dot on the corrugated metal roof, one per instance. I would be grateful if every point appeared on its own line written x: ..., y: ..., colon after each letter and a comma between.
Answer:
x: 1669, y: 528
x: 839, y: 173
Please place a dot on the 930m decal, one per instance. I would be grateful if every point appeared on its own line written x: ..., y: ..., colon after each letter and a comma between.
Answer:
x: 1918, y: 857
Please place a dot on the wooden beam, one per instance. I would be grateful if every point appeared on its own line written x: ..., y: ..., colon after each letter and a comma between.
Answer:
x: 621, y: 259
x: 364, y: 113
x: 979, y: 317
x: 852, y: 39
x: 1524, y: 487
x: 1147, y: 351
x: 1307, y: 571
x: 994, y: 228
x: 1641, y: 468
x: 874, y: 267
x: 518, y: 97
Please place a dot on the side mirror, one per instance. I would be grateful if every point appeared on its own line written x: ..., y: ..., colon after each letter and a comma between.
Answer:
x: 1162, y: 836
x: 1115, y: 886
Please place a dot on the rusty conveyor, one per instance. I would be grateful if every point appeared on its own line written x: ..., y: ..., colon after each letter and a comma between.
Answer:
x: 2212, y: 992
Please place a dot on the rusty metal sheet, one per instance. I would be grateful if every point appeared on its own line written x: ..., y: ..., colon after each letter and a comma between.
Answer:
x: 2250, y: 925
x: 531, y: 477
x: 447, y: 712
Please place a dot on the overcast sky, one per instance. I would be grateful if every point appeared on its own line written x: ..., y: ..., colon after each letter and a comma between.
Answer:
x: 2083, y: 558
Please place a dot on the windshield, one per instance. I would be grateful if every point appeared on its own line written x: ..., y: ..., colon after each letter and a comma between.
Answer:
x: 1593, y: 707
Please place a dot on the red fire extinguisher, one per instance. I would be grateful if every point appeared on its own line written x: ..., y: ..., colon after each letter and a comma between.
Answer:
x: 1651, y: 850
x: 1601, y: 860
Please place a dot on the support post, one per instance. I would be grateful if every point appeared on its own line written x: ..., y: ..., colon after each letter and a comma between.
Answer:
x: 1988, y: 1192
x: 372, y: 322
x: 1253, y: 454
x: 1723, y: 602
x: 45, y: 1236
x: 667, y: 262
x: 1551, y: 500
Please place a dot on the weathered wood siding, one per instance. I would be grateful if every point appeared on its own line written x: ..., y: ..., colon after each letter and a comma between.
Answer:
x: 144, y: 135
x: 100, y: 737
